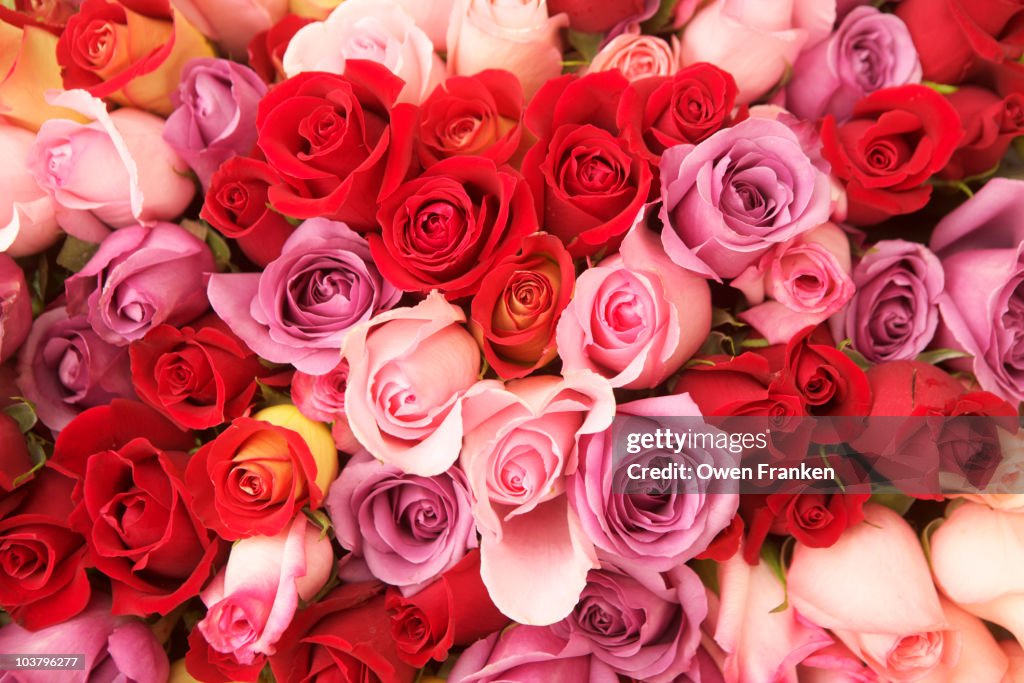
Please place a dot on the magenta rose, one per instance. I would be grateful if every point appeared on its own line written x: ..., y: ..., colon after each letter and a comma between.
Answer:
x: 15, y: 307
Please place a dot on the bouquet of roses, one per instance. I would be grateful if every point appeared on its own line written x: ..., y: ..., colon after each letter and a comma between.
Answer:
x: 512, y: 340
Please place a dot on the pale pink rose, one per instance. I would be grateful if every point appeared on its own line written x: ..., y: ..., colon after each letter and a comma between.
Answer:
x: 835, y: 664
x: 981, y: 659
x: 375, y: 30
x: 798, y: 283
x: 636, y: 317
x: 977, y: 556
x: 521, y: 442
x: 874, y: 591
x: 28, y: 223
x: 232, y: 23
x: 408, y: 369
x: 112, y: 172
x: 638, y: 56
x: 756, y: 41
x: 252, y: 600
x: 515, y: 35
x: 432, y: 17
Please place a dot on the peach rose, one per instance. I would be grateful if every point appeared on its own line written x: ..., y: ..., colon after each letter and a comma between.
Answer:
x: 638, y: 56
x: 232, y: 23
x: 28, y: 223
x: 981, y: 659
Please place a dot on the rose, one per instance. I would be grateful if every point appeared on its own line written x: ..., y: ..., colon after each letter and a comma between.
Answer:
x: 431, y: 17
x: 655, y: 530
x: 897, y: 139
x: 981, y: 240
x: 637, y: 56
x: 16, y: 464
x: 879, y: 561
x: 197, y: 377
x: 127, y: 52
x: 589, y: 18
x: 869, y: 51
x: 339, y: 142
x: 520, y: 443
x: 645, y: 626
x: 814, y: 519
x: 253, y: 599
x: 755, y: 43
x: 797, y: 283
x: 770, y: 192
x: 28, y: 222
x: 15, y: 307
x: 981, y: 657
x: 378, y: 31
x: 301, y: 307
x: 214, y: 115
x: 65, y: 368
x: 111, y: 172
x: 990, y: 124
x: 408, y: 369
x: 236, y: 203
x: 232, y: 25
x: 42, y: 561
x: 636, y: 317
x: 452, y: 611
x: 471, y: 115
x: 322, y: 398
x: 520, y: 36
x: 404, y: 528
x: 825, y: 378
x: 203, y: 663
x: 587, y: 184
x: 266, y: 49
x: 445, y: 229
x: 344, y: 635
x: 661, y: 112
x: 908, y: 387
x: 259, y: 472
x: 514, y: 312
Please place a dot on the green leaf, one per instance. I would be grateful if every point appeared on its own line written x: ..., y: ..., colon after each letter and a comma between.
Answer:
x: 897, y: 502
x: 755, y: 343
x: 24, y: 413
x: 771, y: 554
x: 853, y: 354
x: 321, y: 520
x: 707, y: 570
x: 720, y: 316
x: 936, y: 356
x: 941, y: 88
x: 221, y: 250
x: 271, y: 396
x: 75, y: 253
x: 699, y: 361
x: 587, y: 44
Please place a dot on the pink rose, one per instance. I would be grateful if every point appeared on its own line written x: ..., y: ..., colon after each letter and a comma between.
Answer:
x: 252, y: 600
x: 28, y: 223
x: 636, y: 317
x: 521, y: 442
x: 432, y: 17
x: 232, y: 23
x: 798, y: 283
x: 756, y: 41
x: 374, y: 30
x: 322, y: 398
x: 874, y: 591
x: 515, y: 35
x: 638, y: 56
x: 114, y: 171
x: 408, y: 369
x: 981, y: 659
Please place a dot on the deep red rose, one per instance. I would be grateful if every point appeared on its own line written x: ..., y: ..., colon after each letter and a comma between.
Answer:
x: 266, y: 49
x: 814, y: 519
x: 237, y: 204
x: 446, y: 229
x: 895, y: 141
x: 339, y: 142
x: 726, y: 543
x: 15, y: 460
x: 906, y: 387
x: 210, y: 666
x: 133, y: 508
x: 453, y: 611
x: 42, y: 560
x: 587, y: 184
x: 990, y: 123
x: 471, y: 115
x: 346, y: 637
x: 664, y: 111
x: 597, y: 17
x: 825, y: 377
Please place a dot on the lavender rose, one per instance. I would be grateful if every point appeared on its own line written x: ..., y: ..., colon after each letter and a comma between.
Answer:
x: 65, y: 368
x: 215, y: 114
x: 407, y: 529
x: 300, y: 308
x: 15, y: 307
x: 139, y: 278
x: 869, y: 51
x: 729, y: 199
x: 894, y: 312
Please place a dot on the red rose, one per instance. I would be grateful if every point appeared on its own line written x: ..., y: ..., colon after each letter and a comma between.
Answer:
x: 827, y: 380
x: 339, y: 142
x: 266, y: 49
x: 814, y: 519
x: 897, y: 139
x: 237, y: 204
x: 15, y: 460
x: 345, y: 637
x: 42, y: 561
x: 210, y: 666
x: 905, y: 387
x: 453, y: 611
x: 445, y: 229
x: 472, y: 115
x: 133, y: 508
x: 991, y: 123
x: 588, y: 185
x: 664, y: 111
x: 588, y: 16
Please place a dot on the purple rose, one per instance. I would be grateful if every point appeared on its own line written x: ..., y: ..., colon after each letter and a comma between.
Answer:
x: 407, y: 529
x: 894, y: 312
x: 15, y: 307
x: 141, y: 277
x: 869, y: 51
x: 981, y: 246
x: 114, y: 648
x: 729, y: 199
x: 645, y: 626
x: 65, y: 368
x: 215, y: 114
x: 653, y: 530
x: 301, y: 307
